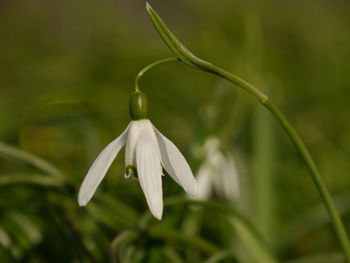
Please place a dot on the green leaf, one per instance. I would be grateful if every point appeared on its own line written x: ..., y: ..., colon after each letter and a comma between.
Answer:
x: 37, y: 180
x: 221, y: 255
x: 172, y: 255
x: 121, y: 239
x: 257, y: 248
x: 11, y: 152
x: 171, y: 235
x: 172, y: 42
x: 186, y: 56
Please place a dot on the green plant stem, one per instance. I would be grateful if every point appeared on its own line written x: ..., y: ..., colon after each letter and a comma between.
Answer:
x: 183, y: 54
x: 316, y: 178
x: 304, y: 153
x: 295, y: 138
x: 150, y: 66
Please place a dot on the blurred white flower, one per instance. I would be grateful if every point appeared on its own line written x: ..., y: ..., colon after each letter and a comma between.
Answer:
x: 217, y: 173
x: 147, y: 150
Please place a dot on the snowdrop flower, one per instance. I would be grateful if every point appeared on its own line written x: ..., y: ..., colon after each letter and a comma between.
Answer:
x: 217, y: 173
x: 147, y: 150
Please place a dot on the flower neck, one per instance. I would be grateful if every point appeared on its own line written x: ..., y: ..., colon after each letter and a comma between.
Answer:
x: 138, y: 106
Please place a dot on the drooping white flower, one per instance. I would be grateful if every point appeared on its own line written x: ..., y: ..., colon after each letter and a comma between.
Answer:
x: 147, y: 150
x: 217, y: 173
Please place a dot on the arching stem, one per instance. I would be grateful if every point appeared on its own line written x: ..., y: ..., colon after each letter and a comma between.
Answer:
x: 150, y: 66
x: 183, y: 54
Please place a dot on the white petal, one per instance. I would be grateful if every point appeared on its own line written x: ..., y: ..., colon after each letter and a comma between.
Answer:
x: 176, y: 165
x: 230, y: 179
x: 150, y: 172
x: 219, y: 165
x: 99, y: 168
x: 136, y: 128
x: 132, y: 137
x: 204, y: 181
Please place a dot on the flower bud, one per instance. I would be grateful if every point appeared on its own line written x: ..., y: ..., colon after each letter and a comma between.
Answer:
x: 138, y: 106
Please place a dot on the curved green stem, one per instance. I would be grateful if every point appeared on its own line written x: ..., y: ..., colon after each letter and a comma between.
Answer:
x: 154, y: 64
x: 186, y: 56
x: 316, y: 178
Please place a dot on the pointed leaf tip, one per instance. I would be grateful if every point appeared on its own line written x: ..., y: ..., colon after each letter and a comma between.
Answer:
x: 181, y: 52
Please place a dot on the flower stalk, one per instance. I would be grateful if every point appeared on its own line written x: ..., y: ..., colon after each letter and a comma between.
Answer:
x: 184, y: 55
x: 150, y: 66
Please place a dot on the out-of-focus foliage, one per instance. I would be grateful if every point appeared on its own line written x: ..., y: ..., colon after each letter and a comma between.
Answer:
x: 66, y: 71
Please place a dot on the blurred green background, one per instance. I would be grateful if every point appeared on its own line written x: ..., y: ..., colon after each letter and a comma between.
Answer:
x: 66, y: 72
